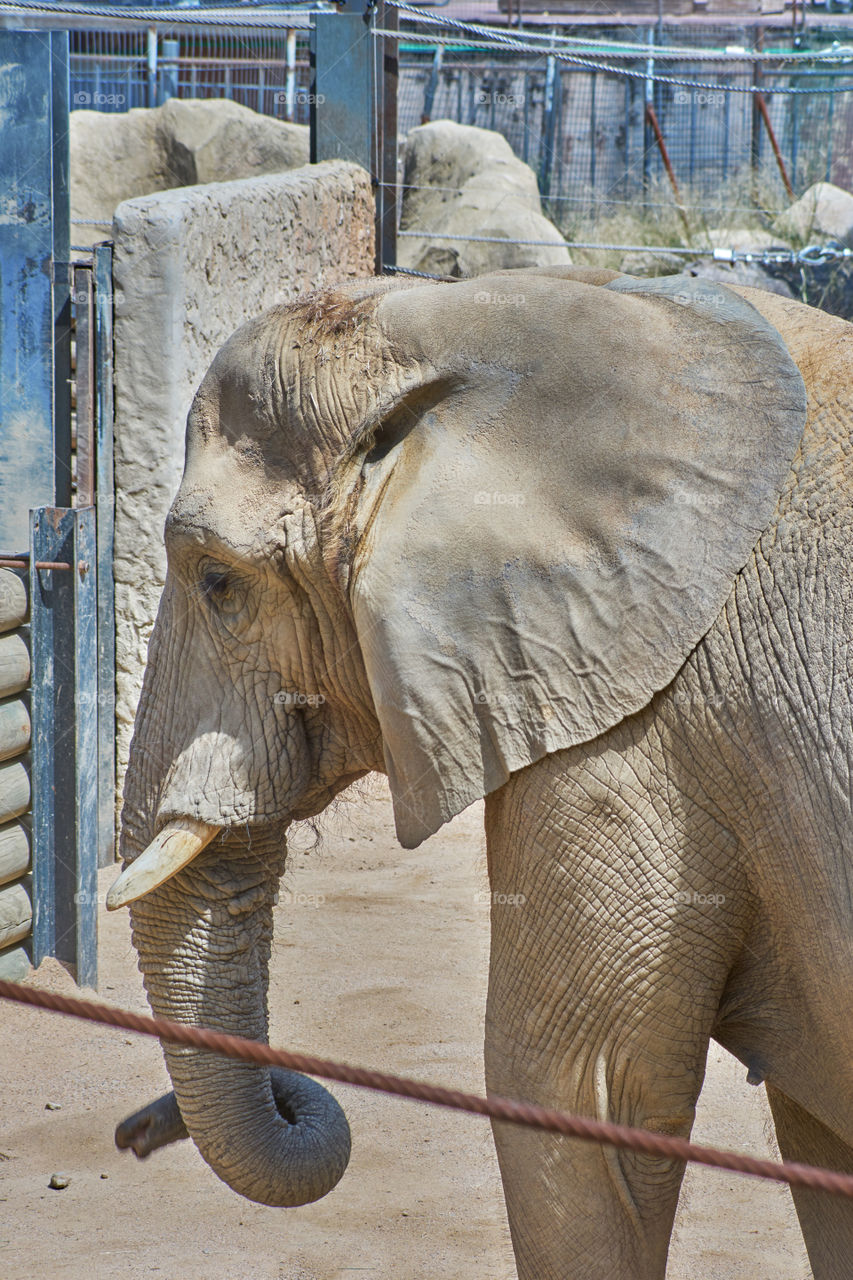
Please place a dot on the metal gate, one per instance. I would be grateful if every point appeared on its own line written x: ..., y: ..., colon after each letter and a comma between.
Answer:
x: 56, y: 515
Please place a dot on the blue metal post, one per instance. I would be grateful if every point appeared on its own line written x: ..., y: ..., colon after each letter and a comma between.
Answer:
x: 354, y: 104
x: 85, y: 623
x: 63, y: 612
x: 35, y: 305
x: 342, y: 89
x: 168, y: 71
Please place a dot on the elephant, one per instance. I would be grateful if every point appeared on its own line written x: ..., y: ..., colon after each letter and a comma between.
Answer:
x: 577, y: 543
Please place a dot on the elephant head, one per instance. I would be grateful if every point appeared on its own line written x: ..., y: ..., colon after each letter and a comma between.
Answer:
x: 439, y: 530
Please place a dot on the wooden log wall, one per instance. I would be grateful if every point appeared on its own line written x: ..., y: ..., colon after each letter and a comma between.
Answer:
x: 16, y: 911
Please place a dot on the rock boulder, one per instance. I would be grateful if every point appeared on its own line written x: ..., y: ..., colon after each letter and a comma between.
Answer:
x: 461, y: 180
x: 824, y: 212
x: 119, y: 156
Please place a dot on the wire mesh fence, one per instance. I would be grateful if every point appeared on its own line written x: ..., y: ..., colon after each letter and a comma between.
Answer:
x: 587, y: 133
x: 642, y: 106
x: 266, y: 70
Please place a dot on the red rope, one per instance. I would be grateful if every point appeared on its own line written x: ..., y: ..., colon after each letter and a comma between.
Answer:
x: 615, y: 1135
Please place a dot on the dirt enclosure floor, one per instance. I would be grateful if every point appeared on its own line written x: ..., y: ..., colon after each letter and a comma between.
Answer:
x: 380, y: 960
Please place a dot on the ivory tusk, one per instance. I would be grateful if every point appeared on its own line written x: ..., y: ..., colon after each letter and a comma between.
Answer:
x: 176, y: 846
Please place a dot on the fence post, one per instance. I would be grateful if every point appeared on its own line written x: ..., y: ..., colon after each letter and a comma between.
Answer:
x: 386, y: 53
x: 63, y: 616
x: 290, y: 76
x: 105, y: 521
x: 151, y: 61
x: 432, y: 84
x: 35, y: 297
x: 648, y: 101
x: 550, y: 108
x: 354, y: 104
x: 755, y: 144
x: 84, y: 382
x: 168, y: 73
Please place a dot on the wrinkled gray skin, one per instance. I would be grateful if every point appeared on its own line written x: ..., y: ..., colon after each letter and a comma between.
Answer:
x: 686, y: 874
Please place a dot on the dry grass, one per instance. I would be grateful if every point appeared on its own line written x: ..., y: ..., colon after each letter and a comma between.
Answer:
x: 655, y: 219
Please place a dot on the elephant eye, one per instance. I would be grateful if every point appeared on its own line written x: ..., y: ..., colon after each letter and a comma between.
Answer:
x: 223, y: 591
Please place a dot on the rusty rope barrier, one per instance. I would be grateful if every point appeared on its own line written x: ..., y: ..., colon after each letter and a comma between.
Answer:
x: 496, y: 1108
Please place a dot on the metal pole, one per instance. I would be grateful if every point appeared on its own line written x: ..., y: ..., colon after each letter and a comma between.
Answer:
x: 386, y: 81
x: 84, y: 383
x: 755, y: 149
x: 548, y: 127
x: 592, y: 128
x: 648, y: 133
x: 795, y: 130
x: 290, y: 76
x: 105, y: 521
x: 525, y: 116
x: 831, y: 126
x: 168, y: 76
x: 354, y: 105
x: 652, y: 119
x: 765, y: 116
x: 64, y: 706
x: 152, y: 67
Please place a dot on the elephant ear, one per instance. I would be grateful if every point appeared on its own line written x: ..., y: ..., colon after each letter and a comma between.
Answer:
x: 551, y: 515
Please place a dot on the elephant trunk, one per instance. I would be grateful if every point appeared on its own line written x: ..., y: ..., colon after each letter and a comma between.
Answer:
x: 204, y: 943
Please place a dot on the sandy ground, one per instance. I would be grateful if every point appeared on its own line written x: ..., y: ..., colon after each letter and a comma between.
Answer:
x: 380, y: 960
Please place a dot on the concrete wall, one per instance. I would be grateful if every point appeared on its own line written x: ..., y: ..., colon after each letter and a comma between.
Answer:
x: 191, y: 265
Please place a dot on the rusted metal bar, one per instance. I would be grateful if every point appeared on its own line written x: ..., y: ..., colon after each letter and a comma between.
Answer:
x: 652, y: 118
x: 765, y: 116
x: 23, y: 562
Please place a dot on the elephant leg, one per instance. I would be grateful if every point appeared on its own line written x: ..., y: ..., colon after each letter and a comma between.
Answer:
x: 826, y: 1221
x: 607, y: 964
